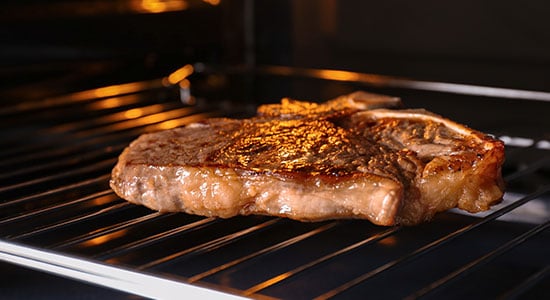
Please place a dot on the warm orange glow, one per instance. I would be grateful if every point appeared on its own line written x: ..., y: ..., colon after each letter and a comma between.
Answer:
x: 102, y: 200
x: 159, y: 6
x: 338, y: 75
x: 184, y: 84
x: 104, y: 238
x: 93, y: 94
x: 212, y: 2
x: 267, y: 283
x: 169, y: 124
x: 151, y: 119
x: 113, y: 102
x: 118, y: 89
x: 133, y: 113
x: 389, y: 241
x: 333, y: 75
x: 180, y: 74
x: 155, y: 118
x: 107, y: 103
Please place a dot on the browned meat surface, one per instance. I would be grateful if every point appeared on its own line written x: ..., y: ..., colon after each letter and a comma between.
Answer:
x: 313, y: 162
x: 343, y: 105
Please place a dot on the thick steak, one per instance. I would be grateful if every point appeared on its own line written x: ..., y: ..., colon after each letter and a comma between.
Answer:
x: 312, y: 162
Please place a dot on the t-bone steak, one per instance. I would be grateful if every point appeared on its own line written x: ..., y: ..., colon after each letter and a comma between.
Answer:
x: 352, y: 157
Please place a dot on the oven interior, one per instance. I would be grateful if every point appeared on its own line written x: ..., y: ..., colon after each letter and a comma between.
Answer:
x: 68, y: 110
x: 58, y: 152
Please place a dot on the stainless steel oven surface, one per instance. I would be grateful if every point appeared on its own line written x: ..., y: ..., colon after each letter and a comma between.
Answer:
x: 59, y: 216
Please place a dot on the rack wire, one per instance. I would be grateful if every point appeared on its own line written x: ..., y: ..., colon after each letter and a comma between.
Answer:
x: 55, y: 202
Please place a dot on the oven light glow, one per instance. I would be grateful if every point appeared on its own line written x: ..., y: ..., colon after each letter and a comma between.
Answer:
x: 169, y: 124
x: 158, y: 6
x: 543, y: 145
x: 180, y: 74
x: 114, y: 90
x: 104, y: 238
x: 133, y: 113
x: 113, y: 102
x: 517, y: 141
x: 212, y: 2
x: 389, y: 241
x: 525, y: 142
x: 338, y: 75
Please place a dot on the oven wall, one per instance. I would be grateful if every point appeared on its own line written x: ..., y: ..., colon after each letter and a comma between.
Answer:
x: 105, y: 42
x: 499, y: 43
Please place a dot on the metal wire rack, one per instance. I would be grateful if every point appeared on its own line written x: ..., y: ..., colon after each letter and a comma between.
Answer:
x: 58, y: 215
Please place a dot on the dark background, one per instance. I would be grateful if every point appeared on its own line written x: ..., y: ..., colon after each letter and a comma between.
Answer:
x: 497, y: 43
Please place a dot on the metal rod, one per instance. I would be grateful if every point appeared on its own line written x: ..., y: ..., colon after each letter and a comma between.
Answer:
x: 483, y: 260
x: 42, y: 210
x: 532, y: 167
x: 130, y: 113
x: 528, y: 283
x: 18, y: 201
x: 210, y: 244
x: 137, y: 122
x: 264, y: 251
x: 96, y: 166
x: 72, y: 159
x: 83, y: 96
x: 434, y: 245
x: 108, y: 229
x: 154, y: 238
x: 286, y: 275
x: 80, y: 137
x: 378, y: 80
x: 65, y: 222
x: 101, y: 274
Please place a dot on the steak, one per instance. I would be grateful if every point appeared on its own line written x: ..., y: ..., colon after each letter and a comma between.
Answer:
x: 350, y: 157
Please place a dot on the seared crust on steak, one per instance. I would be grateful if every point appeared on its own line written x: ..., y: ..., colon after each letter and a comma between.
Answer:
x: 309, y: 162
x: 461, y: 167
x: 338, y: 107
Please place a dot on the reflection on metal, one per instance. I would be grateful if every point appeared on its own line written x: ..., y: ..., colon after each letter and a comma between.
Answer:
x: 543, y: 145
x: 185, y: 92
x: 116, y: 278
x: 389, y: 241
x: 378, y: 237
x: 169, y: 124
x: 133, y: 113
x: 399, y: 82
x: 113, y: 102
x: 88, y: 95
x: 60, y: 200
x: 382, y: 81
x: 112, y: 90
x: 179, y: 77
x: 180, y: 74
x: 212, y: 2
x: 525, y: 142
x: 159, y: 6
x: 144, y: 120
x: 74, y: 9
x: 104, y: 238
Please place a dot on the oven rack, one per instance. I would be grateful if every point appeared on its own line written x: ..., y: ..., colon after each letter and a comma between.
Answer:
x: 58, y: 214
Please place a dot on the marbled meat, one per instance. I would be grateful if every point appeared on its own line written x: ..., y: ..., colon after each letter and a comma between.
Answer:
x: 352, y: 157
